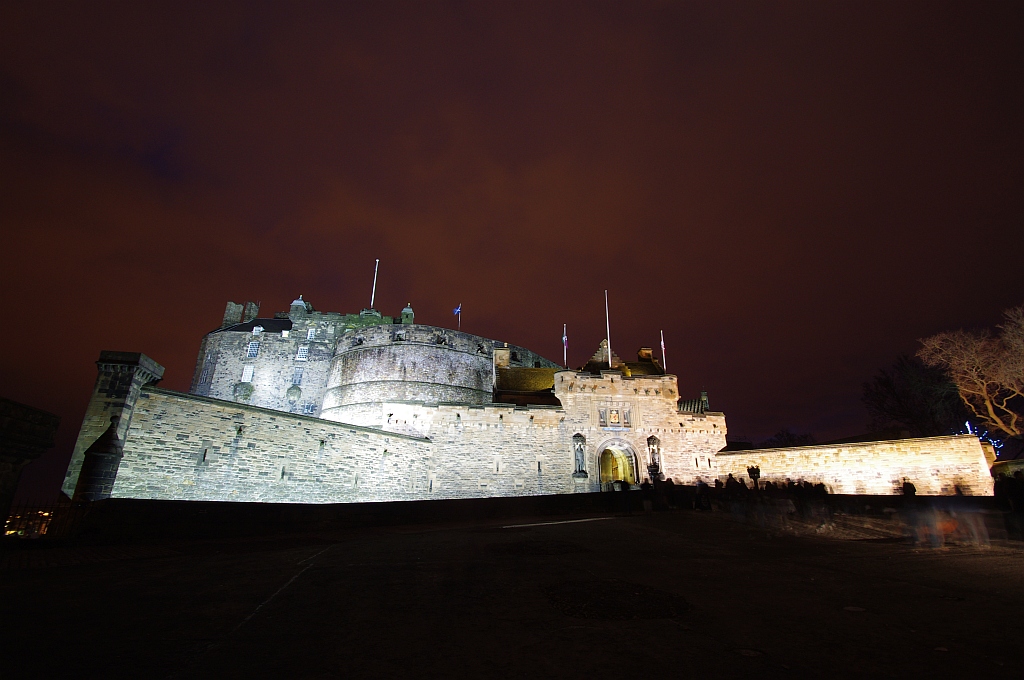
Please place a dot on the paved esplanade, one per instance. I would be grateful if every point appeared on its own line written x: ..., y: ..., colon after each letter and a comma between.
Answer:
x: 662, y: 595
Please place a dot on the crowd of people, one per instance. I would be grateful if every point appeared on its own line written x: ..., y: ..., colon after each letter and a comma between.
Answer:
x: 768, y: 504
x: 803, y: 505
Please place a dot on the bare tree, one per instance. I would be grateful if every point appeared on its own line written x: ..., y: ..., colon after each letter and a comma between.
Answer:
x: 988, y: 370
x: 920, y: 399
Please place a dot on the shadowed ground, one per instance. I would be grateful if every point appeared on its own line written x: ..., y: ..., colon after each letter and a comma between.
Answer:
x: 676, y: 594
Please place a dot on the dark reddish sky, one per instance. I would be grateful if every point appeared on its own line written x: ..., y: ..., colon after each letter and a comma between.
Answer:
x: 794, y: 192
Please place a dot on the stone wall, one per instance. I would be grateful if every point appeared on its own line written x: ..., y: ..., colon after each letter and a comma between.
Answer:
x: 182, y: 446
x: 224, y: 357
x: 493, y: 449
x: 935, y: 465
x: 186, y: 447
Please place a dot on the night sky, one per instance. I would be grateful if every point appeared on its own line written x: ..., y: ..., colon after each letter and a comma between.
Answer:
x: 793, y: 192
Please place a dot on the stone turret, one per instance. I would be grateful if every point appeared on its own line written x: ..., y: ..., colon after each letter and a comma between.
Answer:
x: 407, y: 314
x: 299, y: 309
x: 99, y: 466
x: 121, y: 377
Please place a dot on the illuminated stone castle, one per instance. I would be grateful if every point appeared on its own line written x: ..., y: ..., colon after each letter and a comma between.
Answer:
x: 321, y: 407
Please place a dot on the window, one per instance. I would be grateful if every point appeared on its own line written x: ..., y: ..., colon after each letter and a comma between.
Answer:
x: 247, y: 374
x: 256, y: 330
x: 297, y: 376
x: 311, y: 334
x: 254, y: 349
x: 309, y: 409
x: 303, y: 353
x: 284, y: 334
x: 205, y: 376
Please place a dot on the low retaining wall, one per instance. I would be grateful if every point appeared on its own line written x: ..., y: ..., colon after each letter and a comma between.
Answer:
x: 937, y: 466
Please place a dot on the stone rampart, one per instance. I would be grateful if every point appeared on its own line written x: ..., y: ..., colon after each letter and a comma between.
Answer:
x: 935, y: 465
x: 411, y: 362
x: 185, y: 447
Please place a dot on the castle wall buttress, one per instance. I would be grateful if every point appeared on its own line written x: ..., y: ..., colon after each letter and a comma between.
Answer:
x: 121, y: 377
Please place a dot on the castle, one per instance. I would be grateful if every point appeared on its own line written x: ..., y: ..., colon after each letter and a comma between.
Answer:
x: 322, y: 407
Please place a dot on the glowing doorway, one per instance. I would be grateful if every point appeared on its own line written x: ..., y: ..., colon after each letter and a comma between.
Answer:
x: 618, y: 463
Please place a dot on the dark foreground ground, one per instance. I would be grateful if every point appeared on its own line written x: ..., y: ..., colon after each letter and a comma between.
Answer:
x: 672, y: 594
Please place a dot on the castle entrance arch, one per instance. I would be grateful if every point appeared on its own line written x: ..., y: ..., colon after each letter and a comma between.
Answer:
x: 617, y: 462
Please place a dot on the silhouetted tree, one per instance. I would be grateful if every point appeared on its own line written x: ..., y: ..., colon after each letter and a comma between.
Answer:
x: 784, y: 438
x: 912, y: 396
x: 988, y: 370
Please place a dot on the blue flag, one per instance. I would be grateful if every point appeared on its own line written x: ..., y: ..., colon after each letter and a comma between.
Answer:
x: 457, y: 310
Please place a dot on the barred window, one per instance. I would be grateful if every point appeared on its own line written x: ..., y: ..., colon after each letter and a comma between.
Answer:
x: 247, y: 374
x: 311, y: 334
x: 303, y: 353
x: 297, y: 376
x: 205, y: 376
x: 254, y: 349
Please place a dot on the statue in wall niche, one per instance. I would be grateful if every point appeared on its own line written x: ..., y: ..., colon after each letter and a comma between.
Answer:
x: 579, y: 448
x: 654, y: 450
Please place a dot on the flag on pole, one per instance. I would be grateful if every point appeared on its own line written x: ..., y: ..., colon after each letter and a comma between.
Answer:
x: 565, y: 347
x: 458, y: 312
x: 664, y: 367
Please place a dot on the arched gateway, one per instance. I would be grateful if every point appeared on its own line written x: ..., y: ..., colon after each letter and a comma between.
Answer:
x: 618, y: 463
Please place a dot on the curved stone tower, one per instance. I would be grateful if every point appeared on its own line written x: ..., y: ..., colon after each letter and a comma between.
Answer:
x: 412, y: 362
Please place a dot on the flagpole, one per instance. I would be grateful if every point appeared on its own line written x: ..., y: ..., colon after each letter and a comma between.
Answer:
x: 460, y: 316
x: 608, y: 329
x: 565, y: 347
x: 664, y: 363
x: 374, y: 293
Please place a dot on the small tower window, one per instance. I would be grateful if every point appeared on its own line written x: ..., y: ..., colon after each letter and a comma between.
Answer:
x: 205, y: 376
x: 303, y: 353
x: 254, y: 349
x: 256, y: 330
x: 297, y: 376
x: 247, y: 374
x: 311, y: 334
